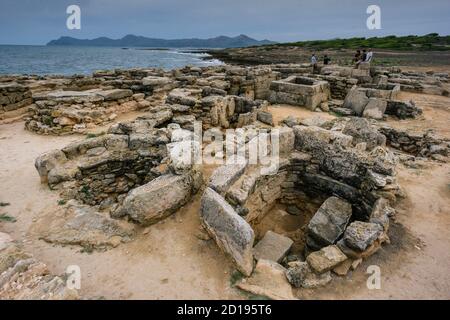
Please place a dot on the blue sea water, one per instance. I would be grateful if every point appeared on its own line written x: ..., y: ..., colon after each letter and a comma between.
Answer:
x: 67, y: 60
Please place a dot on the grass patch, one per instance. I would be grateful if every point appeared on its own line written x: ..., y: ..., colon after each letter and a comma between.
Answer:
x: 257, y: 297
x: 428, y: 42
x: 6, y: 218
x: 235, y: 277
x: 62, y: 202
x: 95, y: 135
x: 4, y: 204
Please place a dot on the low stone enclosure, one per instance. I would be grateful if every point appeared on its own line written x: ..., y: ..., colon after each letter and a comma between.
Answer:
x: 337, y: 181
x: 340, y: 187
x: 299, y: 91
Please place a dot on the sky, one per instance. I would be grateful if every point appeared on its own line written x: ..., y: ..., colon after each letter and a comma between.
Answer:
x: 38, y: 21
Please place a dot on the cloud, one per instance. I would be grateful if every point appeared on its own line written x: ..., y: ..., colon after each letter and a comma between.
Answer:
x: 38, y: 21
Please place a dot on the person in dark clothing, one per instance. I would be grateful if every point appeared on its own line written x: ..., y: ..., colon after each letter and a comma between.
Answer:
x: 326, y: 59
x: 364, y: 55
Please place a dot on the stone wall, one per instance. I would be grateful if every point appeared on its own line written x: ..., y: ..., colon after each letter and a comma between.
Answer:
x: 339, y: 86
x: 65, y: 112
x: 421, y: 144
x: 13, y: 96
x: 317, y: 163
x: 299, y: 91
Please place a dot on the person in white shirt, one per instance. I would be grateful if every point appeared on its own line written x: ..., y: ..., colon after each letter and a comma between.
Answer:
x: 369, y: 56
x: 314, y: 62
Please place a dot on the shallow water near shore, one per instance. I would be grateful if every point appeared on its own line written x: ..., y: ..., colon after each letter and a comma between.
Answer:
x: 68, y: 60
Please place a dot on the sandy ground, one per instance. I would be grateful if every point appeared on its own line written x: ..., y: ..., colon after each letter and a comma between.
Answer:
x: 171, y: 262
x: 167, y: 262
x: 436, y: 114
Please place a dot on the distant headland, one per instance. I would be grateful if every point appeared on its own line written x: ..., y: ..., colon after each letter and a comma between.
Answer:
x: 139, y: 41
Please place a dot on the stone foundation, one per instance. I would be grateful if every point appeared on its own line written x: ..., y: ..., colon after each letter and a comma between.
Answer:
x: 65, y: 112
x: 299, y: 91
x: 13, y: 96
x: 316, y: 164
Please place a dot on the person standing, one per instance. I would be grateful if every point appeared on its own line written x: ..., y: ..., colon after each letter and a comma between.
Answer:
x: 326, y: 60
x: 364, y: 55
x: 369, y: 56
x: 314, y: 62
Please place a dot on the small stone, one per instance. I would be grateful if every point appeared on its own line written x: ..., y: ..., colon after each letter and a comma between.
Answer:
x: 360, y: 235
x: 313, y: 281
x: 343, y: 268
x: 326, y: 259
x: 272, y: 247
x: 297, y: 273
x: 268, y: 280
x: 356, y: 263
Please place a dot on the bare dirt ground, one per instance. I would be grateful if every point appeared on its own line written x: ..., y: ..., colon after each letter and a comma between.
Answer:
x: 436, y: 114
x: 167, y: 260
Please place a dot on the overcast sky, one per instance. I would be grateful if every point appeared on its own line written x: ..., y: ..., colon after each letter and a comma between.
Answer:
x: 39, y: 21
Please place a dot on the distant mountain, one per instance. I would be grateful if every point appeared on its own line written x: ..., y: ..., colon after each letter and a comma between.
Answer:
x: 138, y: 41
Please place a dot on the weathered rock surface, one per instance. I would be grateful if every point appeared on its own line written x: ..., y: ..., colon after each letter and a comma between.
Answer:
x: 224, y: 176
x: 330, y: 221
x: 268, y: 280
x: 326, y: 259
x: 82, y: 225
x: 297, y: 273
x: 156, y: 200
x: 230, y: 231
x: 356, y: 100
x: 272, y: 247
x: 360, y: 235
x: 375, y: 109
x: 24, y: 278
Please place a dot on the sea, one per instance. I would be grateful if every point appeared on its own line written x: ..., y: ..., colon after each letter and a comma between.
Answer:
x: 69, y: 60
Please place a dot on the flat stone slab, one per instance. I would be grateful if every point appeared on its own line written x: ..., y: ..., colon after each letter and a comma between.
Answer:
x: 230, y: 231
x: 360, y: 235
x: 156, y: 200
x: 224, y: 176
x: 330, y: 221
x: 326, y: 259
x: 268, y: 280
x: 272, y: 247
x: 115, y: 94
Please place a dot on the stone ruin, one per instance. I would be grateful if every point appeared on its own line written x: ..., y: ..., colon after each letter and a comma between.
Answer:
x: 23, y: 277
x: 13, y: 97
x: 337, y: 180
x: 64, y: 112
x: 299, y: 91
x: 334, y: 188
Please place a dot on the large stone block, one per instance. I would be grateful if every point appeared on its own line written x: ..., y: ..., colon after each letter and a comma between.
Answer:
x: 230, y: 231
x: 158, y: 199
x: 330, y: 221
x: 224, y: 176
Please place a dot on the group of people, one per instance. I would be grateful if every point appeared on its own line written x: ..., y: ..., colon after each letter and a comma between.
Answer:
x: 364, y: 56
x: 314, y: 61
x: 360, y: 56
